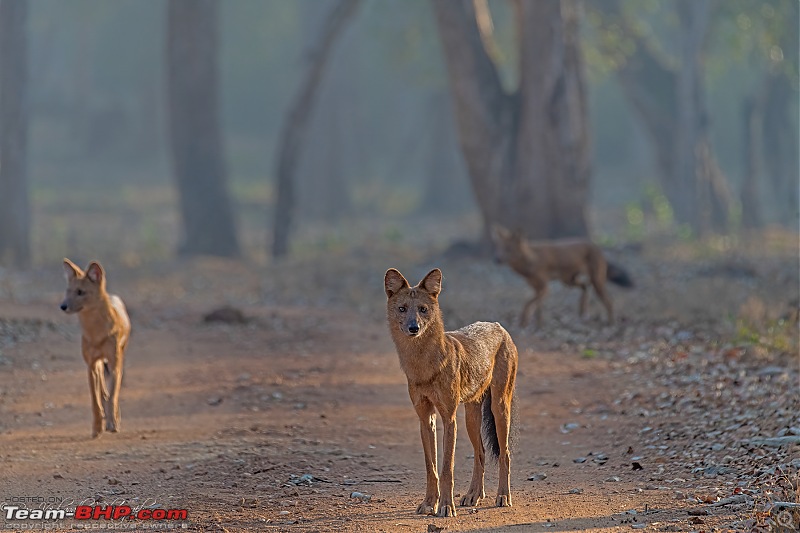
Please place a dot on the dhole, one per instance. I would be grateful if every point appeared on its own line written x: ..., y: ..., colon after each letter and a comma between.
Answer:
x: 570, y: 261
x: 475, y: 365
x: 105, y: 330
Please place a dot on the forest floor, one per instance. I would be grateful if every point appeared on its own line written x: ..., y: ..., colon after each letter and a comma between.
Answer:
x: 683, y: 415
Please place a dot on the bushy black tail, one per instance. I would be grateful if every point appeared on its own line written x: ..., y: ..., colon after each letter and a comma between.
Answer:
x: 490, y: 440
x: 618, y: 275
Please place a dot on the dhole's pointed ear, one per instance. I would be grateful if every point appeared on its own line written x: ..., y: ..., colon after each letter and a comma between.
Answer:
x: 95, y: 272
x: 71, y: 270
x: 432, y: 283
x: 393, y: 282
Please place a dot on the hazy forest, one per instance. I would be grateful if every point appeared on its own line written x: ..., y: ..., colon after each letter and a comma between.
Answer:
x: 246, y: 172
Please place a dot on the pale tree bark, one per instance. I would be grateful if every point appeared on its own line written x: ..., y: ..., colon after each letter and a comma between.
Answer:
x: 295, y: 127
x: 527, y: 151
x: 15, y: 215
x: 197, y: 151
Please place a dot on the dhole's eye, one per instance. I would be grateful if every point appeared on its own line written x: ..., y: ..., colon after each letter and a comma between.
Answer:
x: 402, y: 308
x: 80, y: 292
x: 423, y: 309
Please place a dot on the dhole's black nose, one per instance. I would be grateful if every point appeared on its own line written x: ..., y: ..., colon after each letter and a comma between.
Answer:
x: 413, y: 328
x: 63, y: 307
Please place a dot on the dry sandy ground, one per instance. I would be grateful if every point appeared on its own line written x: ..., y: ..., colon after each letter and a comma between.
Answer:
x: 224, y: 420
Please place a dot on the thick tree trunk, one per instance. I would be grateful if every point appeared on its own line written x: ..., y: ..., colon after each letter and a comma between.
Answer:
x: 295, y: 126
x: 197, y: 151
x: 551, y: 167
x: 14, y: 203
x: 527, y: 152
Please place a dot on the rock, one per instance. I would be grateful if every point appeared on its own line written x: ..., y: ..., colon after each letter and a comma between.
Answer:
x: 360, y: 496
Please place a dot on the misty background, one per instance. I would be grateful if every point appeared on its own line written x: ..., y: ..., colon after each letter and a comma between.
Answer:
x: 381, y: 151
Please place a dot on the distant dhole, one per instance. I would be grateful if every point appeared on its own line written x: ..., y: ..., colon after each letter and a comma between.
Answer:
x: 475, y: 365
x: 106, y: 329
x: 574, y: 262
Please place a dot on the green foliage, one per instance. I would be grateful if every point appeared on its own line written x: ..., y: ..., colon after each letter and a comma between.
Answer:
x: 764, y: 31
x: 778, y: 335
x: 660, y: 205
x: 635, y: 217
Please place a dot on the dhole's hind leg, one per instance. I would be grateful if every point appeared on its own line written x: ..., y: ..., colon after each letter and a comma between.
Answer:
x: 578, y: 281
x: 473, y: 420
x: 501, y: 408
x: 600, y: 289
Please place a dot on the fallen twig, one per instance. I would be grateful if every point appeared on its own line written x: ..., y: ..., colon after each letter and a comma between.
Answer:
x: 787, y: 505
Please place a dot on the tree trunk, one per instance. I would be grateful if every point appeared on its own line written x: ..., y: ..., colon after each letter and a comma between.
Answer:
x: 197, y: 152
x: 15, y: 221
x: 295, y: 126
x: 780, y: 146
x: 552, y: 168
x: 526, y: 152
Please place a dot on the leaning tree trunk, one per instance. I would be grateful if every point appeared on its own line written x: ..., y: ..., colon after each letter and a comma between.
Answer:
x: 295, y: 126
x: 14, y: 204
x: 197, y: 153
x: 527, y: 152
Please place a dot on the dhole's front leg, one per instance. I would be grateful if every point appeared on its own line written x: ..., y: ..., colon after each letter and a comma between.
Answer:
x: 473, y: 418
x: 427, y: 427
x: 446, y: 507
x: 96, y: 390
x: 114, y: 384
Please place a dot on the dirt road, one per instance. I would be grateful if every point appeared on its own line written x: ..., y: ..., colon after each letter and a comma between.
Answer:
x: 273, y: 424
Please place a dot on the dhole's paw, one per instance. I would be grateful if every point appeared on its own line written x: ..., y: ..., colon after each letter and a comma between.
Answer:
x: 503, y: 500
x: 446, y: 509
x: 426, y: 508
x: 472, y: 498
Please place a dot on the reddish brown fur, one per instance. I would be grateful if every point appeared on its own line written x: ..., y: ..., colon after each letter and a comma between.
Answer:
x: 445, y: 369
x: 106, y: 329
x: 570, y: 261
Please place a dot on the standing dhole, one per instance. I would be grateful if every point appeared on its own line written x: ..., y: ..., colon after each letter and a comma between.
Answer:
x: 106, y: 329
x: 574, y: 262
x: 476, y: 365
